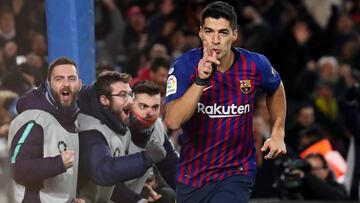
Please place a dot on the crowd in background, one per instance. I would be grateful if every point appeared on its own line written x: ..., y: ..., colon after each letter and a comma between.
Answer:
x: 314, y: 45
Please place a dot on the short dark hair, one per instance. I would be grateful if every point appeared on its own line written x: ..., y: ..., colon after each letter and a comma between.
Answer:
x: 319, y: 156
x: 60, y: 61
x: 220, y: 9
x: 106, y: 78
x: 146, y: 87
x: 159, y: 62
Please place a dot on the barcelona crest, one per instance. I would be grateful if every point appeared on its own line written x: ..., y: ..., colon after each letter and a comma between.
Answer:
x: 245, y: 86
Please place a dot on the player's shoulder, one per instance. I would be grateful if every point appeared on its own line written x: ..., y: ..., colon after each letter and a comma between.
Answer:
x: 250, y: 54
x: 184, y: 63
x: 258, y: 59
x: 191, y: 56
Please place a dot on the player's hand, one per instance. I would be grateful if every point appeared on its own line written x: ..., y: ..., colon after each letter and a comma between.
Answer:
x: 68, y: 158
x: 204, y: 65
x: 155, y: 151
x: 276, y: 147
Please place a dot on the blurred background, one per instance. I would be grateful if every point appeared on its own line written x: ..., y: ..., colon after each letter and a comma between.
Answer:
x: 314, y: 45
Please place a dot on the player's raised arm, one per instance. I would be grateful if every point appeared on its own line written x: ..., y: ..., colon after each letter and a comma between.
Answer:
x: 182, y: 109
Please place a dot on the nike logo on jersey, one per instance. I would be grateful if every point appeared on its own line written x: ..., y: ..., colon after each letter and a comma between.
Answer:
x: 206, y: 88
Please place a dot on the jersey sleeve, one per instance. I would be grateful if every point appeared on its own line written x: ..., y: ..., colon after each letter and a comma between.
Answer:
x: 270, y: 78
x: 179, y: 79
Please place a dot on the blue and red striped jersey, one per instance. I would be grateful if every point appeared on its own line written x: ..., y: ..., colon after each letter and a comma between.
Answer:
x: 218, y: 141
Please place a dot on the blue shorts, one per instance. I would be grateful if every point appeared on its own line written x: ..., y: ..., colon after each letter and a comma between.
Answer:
x: 235, y: 188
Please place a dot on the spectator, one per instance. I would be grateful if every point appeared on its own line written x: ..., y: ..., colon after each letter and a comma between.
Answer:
x: 157, y: 73
x: 7, y: 98
x: 256, y: 32
x: 135, y: 39
x: 7, y: 26
x: 319, y: 183
x: 328, y: 115
x: 304, y: 117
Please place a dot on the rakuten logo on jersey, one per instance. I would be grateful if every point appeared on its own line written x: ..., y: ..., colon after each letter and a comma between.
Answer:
x: 218, y: 111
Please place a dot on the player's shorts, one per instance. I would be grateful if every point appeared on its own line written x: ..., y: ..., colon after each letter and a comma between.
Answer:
x: 235, y: 188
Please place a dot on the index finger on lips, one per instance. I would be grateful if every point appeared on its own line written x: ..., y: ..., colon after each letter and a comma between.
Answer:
x: 206, y: 50
x: 214, y: 58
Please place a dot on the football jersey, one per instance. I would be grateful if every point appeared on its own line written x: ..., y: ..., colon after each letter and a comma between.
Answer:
x: 217, y: 141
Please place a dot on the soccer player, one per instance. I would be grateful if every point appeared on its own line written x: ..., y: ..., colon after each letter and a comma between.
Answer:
x: 210, y: 93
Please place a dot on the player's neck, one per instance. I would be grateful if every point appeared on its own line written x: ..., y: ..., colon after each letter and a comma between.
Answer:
x: 226, y: 62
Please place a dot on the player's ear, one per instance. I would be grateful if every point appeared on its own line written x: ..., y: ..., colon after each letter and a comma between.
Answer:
x: 235, y: 35
x: 201, y: 33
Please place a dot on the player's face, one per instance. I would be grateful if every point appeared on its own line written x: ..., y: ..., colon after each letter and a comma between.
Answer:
x: 65, y: 84
x: 120, y: 101
x: 219, y: 35
x: 147, y: 106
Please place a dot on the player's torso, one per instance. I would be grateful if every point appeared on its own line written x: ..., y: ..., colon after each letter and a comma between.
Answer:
x: 226, y: 104
x: 218, y: 138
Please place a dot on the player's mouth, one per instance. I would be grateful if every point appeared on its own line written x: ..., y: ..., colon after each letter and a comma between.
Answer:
x: 217, y: 51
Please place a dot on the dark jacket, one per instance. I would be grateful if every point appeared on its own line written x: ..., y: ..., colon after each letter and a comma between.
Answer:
x: 96, y: 161
x: 31, y: 168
